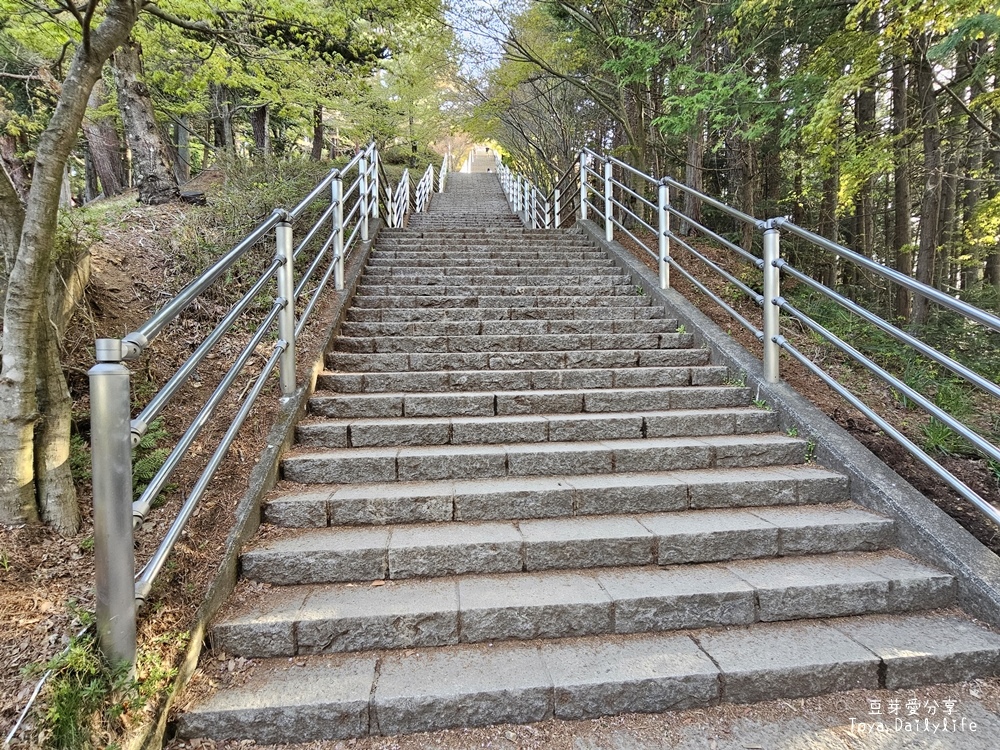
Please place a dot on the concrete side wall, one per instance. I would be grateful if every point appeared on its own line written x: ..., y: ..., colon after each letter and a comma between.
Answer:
x: 923, y: 529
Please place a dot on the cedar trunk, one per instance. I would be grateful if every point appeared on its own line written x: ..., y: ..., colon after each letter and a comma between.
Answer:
x: 104, y: 145
x: 930, y: 204
x: 152, y: 172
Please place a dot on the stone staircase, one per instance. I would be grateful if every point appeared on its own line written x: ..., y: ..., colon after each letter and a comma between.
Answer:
x: 522, y: 493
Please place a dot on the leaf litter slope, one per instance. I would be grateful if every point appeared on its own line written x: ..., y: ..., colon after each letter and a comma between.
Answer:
x: 140, y: 257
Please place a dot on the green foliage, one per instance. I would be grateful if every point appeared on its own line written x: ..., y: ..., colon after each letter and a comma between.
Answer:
x: 85, y: 697
x: 148, y: 456
x: 89, y: 702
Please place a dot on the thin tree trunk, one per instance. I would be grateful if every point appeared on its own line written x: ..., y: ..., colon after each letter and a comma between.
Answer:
x: 828, y: 225
x: 153, y: 174
x: 12, y: 208
x: 318, y: 137
x: 260, y: 123
x: 694, y: 173
x: 182, y: 167
x: 25, y: 340
x: 991, y: 268
x: 901, y: 235
x: 104, y: 145
x: 930, y: 204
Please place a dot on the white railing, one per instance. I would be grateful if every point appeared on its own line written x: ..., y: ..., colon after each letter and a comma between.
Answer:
x: 399, y: 202
x: 425, y: 190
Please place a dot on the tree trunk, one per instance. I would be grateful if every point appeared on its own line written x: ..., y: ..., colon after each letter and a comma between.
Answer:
x: 11, y: 221
x: 182, y: 167
x: 151, y: 168
x: 26, y: 342
x: 694, y: 173
x: 260, y: 123
x: 971, y: 169
x: 930, y: 204
x: 318, y: 136
x: 16, y: 169
x: 901, y: 235
x: 828, y: 225
x: 991, y: 269
x: 104, y: 145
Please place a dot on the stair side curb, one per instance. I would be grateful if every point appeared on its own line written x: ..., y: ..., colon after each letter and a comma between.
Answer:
x: 923, y: 529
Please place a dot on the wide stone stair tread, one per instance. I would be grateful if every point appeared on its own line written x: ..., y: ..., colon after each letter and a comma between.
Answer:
x: 352, y: 329
x: 562, y: 342
x: 580, y: 298
x: 427, y: 462
x: 522, y: 428
x: 478, y: 380
x: 353, y: 695
x: 540, y: 401
x: 475, y: 608
x: 345, y: 554
x: 553, y: 496
x: 483, y: 314
x: 523, y: 360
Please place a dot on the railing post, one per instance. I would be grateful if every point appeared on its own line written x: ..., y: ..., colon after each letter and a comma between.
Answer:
x: 374, y: 183
x: 548, y: 219
x: 609, y: 227
x: 663, y: 202
x: 583, y: 186
x: 534, y: 207
x: 363, y: 196
x: 557, y: 207
x: 772, y: 291
x: 286, y: 318
x: 111, y: 467
x: 337, y: 196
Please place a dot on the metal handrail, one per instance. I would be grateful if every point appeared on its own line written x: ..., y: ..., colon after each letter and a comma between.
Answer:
x: 600, y: 192
x: 342, y: 224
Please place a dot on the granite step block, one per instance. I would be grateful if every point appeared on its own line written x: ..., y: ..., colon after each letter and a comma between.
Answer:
x: 413, y: 613
x: 512, y: 343
x: 547, y: 360
x: 539, y: 327
x: 428, y: 463
x: 364, y: 433
x: 337, y: 696
x: 553, y: 497
x: 500, y: 403
x: 345, y: 554
x: 477, y: 380
x: 423, y: 314
x: 582, y: 298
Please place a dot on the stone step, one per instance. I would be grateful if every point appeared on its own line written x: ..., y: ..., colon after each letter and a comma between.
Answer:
x: 503, y: 403
x: 460, y: 264
x: 476, y: 608
x: 473, y: 291
x: 532, y: 428
x: 417, y: 362
x: 520, y: 380
x: 344, y: 554
x: 398, y: 692
x: 552, y: 497
x: 354, y: 329
x: 501, y: 257
x: 519, y: 279
x: 365, y: 300
x: 429, y: 314
x: 563, y: 342
x: 422, y: 463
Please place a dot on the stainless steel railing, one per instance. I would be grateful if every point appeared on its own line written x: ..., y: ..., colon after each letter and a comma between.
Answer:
x: 347, y: 201
x: 642, y: 207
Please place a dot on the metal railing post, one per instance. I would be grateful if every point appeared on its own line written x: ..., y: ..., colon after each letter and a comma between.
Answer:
x: 534, y: 207
x: 583, y: 186
x: 557, y: 207
x: 609, y: 227
x: 374, y: 183
x: 286, y: 318
x: 363, y: 196
x: 548, y: 208
x: 663, y: 202
x: 772, y: 291
x: 337, y: 196
x: 111, y: 466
